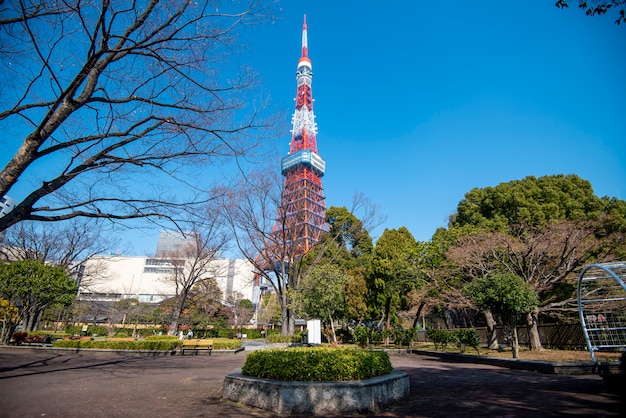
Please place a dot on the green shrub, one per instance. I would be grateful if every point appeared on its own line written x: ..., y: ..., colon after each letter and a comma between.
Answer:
x: 162, y: 342
x: 318, y: 364
x: 441, y: 337
x: 467, y: 338
x: 58, y: 334
x: 376, y: 337
x: 226, y: 333
x: 252, y: 334
x: 404, y: 336
x: 361, y: 335
x: 279, y: 338
x: 162, y: 345
x: 226, y: 344
x: 161, y: 337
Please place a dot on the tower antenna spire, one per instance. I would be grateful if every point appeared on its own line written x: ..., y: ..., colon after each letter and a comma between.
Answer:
x: 305, y: 43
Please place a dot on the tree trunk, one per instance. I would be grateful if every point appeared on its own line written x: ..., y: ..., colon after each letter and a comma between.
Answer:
x: 289, y: 321
x: 29, y: 321
x: 332, y: 327
x: 388, y: 319
x: 515, y: 347
x: 38, y: 317
x: 492, y: 335
x: 417, y: 315
x: 533, y: 332
x: 175, y: 319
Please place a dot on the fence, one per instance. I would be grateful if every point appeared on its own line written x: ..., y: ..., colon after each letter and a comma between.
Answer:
x: 554, y: 336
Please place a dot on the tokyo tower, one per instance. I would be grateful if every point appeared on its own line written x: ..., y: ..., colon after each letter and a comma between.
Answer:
x: 301, y: 217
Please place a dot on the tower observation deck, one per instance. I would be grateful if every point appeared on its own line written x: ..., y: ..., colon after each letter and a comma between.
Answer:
x: 303, y: 208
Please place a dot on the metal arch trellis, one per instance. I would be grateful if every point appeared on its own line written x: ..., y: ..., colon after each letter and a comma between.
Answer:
x: 602, y: 306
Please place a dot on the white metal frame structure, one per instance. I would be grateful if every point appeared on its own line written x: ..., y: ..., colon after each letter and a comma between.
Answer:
x: 602, y: 306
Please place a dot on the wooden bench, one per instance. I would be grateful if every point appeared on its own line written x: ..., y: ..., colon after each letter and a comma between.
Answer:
x: 41, y: 340
x: 197, y: 345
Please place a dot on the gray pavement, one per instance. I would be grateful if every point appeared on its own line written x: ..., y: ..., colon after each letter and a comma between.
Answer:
x: 52, y: 384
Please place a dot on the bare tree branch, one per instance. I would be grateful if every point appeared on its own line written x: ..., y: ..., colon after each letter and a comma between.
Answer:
x: 116, y: 92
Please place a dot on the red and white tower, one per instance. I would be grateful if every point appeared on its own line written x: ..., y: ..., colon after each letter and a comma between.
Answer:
x: 303, y: 208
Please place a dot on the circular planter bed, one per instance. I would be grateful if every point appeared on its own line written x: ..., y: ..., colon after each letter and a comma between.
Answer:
x: 316, y: 381
x: 316, y: 398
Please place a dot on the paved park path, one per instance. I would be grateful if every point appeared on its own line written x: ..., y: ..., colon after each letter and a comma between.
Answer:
x: 61, y: 384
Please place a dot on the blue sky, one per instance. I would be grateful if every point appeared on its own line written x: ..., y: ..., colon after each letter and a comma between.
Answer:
x: 419, y: 102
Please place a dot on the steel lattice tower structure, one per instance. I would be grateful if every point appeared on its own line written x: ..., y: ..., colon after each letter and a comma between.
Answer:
x: 303, y: 208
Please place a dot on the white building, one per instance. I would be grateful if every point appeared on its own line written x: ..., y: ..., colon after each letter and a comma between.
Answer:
x: 149, y: 279
x: 6, y: 205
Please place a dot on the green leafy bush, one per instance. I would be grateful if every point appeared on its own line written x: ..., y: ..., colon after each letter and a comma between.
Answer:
x: 318, y: 364
x: 226, y: 344
x: 441, y: 337
x: 404, y: 336
x: 279, y: 338
x: 252, y: 334
x: 160, y: 345
x: 163, y: 342
x: 361, y: 335
x: 467, y: 338
x: 161, y: 338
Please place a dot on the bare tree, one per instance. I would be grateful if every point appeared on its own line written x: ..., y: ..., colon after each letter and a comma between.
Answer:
x: 99, y: 96
x: 67, y: 243
x: 252, y: 211
x: 194, y: 263
x: 241, y: 309
x: 260, y: 227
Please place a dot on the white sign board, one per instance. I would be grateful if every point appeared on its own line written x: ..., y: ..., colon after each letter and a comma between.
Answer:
x: 315, y: 332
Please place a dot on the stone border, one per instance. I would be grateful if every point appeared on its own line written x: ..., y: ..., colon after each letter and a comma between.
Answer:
x: 317, y: 398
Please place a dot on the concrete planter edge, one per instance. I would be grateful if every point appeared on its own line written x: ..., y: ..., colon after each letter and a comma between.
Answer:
x: 316, y: 398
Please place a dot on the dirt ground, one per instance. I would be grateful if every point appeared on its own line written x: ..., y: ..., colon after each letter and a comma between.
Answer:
x: 557, y: 356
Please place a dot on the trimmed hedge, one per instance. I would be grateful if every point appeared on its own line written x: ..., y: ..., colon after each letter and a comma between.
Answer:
x: 279, y: 338
x: 161, y: 338
x: 318, y: 364
x: 225, y: 344
x: 119, y: 345
x: 164, y: 343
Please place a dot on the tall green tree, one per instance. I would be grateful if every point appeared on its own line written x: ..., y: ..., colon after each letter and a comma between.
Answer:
x: 322, y: 295
x: 507, y: 296
x: 534, y: 200
x: 348, y: 245
x: 394, y: 271
x: 356, y: 294
x: 31, y: 286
